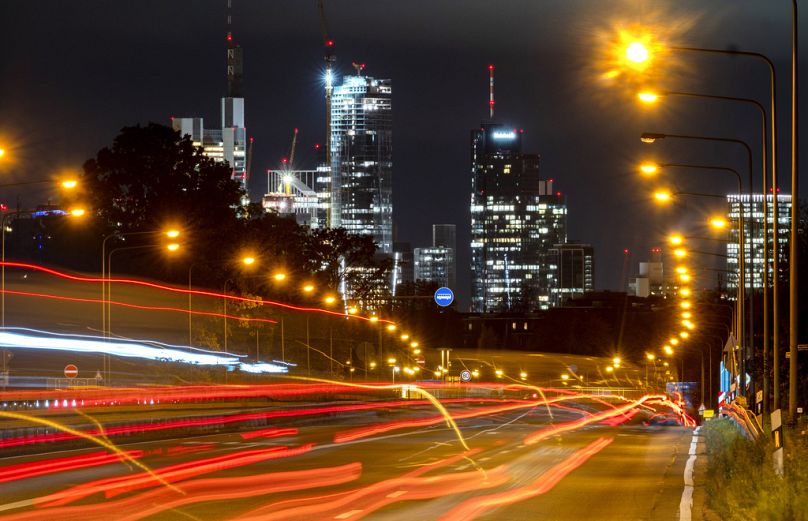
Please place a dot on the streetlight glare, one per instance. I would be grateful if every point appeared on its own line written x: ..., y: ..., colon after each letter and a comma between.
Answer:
x: 330, y: 299
x: 662, y: 196
x: 77, y: 212
x: 647, y: 97
x: 374, y: 318
x: 648, y: 169
x: 172, y: 233
x: 685, y: 292
x: 685, y: 304
x: 2, y: 152
x: 668, y: 349
x: 676, y: 239
x: 637, y: 52
x: 719, y: 223
x: 308, y: 288
x: 280, y: 277
x: 69, y: 184
x: 681, y: 270
x: 173, y: 246
x: 650, y: 356
x: 684, y: 334
x: 391, y: 327
x: 684, y: 277
x: 680, y: 253
x: 248, y: 260
x: 405, y: 336
x: 414, y: 344
x: 352, y: 311
x: 609, y: 369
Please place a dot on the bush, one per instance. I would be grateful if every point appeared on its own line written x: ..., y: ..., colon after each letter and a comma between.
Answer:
x: 741, y: 481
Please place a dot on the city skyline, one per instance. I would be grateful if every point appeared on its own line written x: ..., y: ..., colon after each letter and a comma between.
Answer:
x: 190, y: 79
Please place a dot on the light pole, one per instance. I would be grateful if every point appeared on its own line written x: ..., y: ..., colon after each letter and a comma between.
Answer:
x: 3, y: 276
x: 650, y: 98
x: 651, y: 137
x: 774, y: 191
x: 795, y: 214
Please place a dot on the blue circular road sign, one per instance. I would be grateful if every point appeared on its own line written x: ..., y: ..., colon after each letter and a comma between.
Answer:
x: 444, y: 297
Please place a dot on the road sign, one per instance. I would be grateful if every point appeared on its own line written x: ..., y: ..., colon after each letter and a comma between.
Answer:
x: 709, y: 413
x: 71, y: 371
x: 444, y: 297
x: 465, y: 375
x: 701, y: 410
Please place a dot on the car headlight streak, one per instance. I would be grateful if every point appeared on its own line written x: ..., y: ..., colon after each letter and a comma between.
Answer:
x: 23, y: 338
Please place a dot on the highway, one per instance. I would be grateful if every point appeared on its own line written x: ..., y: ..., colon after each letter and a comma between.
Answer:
x: 562, y: 457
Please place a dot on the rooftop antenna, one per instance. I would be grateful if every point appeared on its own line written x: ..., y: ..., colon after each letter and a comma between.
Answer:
x: 359, y: 68
x: 491, y: 101
x: 235, y: 60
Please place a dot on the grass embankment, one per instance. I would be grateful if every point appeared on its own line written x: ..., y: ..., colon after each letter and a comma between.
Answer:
x: 741, y: 481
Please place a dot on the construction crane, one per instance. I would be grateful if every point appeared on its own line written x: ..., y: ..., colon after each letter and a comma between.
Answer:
x: 287, y: 162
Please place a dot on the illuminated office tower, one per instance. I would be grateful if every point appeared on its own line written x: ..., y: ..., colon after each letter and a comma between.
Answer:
x: 515, y: 219
x: 753, y: 236
x: 573, y: 266
x: 362, y: 158
x: 229, y: 141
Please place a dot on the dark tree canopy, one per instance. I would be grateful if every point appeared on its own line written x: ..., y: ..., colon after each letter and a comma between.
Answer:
x: 152, y: 176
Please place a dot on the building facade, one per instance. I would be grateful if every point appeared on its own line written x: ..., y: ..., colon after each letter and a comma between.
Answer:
x: 573, y: 265
x: 753, y: 236
x: 362, y: 158
x: 228, y: 142
x: 515, y: 219
x: 435, y: 264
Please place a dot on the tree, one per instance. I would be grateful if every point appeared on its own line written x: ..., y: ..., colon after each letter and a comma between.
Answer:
x: 152, y: 176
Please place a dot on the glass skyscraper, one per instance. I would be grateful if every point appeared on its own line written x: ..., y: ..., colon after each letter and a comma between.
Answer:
x: 753, y: 236
x: 362, y: 159
x: 515, y: 219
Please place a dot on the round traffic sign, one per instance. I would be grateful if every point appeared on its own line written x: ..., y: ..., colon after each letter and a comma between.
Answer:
x: 465, y: 375
x: 444, y: 297
x: 71, y: 371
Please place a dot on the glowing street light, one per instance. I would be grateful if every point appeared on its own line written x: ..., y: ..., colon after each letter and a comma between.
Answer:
x: 668, y: 349
x: 78, y: 212
x: 637, y: 52
x: 687, y: 314
x: 681, y: 270
x: 280, y: 276
x: 609, y: 369
x: 405, y: 336
x: 374, y: 319
x: 676, y: 239
x: 173, y: 246
x: 69, y: 184
x: 523, y: 375
x: 499, y: 373
x: 308, y: 288
x: 616, y: 361
x: 650, y: 356
x: 565, y: 376
x: 648, y: 169
x: 685, y: 292
x: 330, y: 299
x: 413, y: 344
x: 391, y: 327
x: 475, y: 373
x: 680, y: 253
x: 352, y: 311
x: 685, y: 304
x: 719, y: 223
x: 684, y: 277
x: 248, y: 260
x: 647, y: 97
x: 172, y: 233
x: 674, y: 341
x: 684, y: 334
x: 662, y: 196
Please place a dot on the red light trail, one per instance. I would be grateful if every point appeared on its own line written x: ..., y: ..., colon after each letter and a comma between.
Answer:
x: 135, y: 282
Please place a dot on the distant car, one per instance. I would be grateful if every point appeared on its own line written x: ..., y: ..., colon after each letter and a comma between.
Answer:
x: 664, y: 420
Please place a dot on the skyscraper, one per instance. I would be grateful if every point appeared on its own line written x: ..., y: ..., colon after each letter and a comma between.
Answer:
x: 229, y: 142
x: 438, y: 263
x: 515, y: 219
x: 753, y: 236
x: 362, y: 158
x: 573, y: 265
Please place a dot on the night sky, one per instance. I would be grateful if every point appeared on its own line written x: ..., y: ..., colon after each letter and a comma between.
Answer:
x: 73, y: 73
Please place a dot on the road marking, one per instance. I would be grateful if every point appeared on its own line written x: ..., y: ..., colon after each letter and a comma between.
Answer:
x: 346, y: 515
x: 397, y: 493
x: 686, y: 503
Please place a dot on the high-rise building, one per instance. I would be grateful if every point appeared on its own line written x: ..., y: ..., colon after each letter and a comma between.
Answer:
x: 229, y: 141
x: 402, y: 266
x: 753, y: 236
x: 438, y: 263
x: 573, y: 264
x: 444, y: 235
x: 362, y: 158
x: 435, y: 264
x: 515, y: 219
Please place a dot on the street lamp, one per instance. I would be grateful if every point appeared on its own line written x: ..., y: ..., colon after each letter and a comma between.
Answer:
x: 637, y: 52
